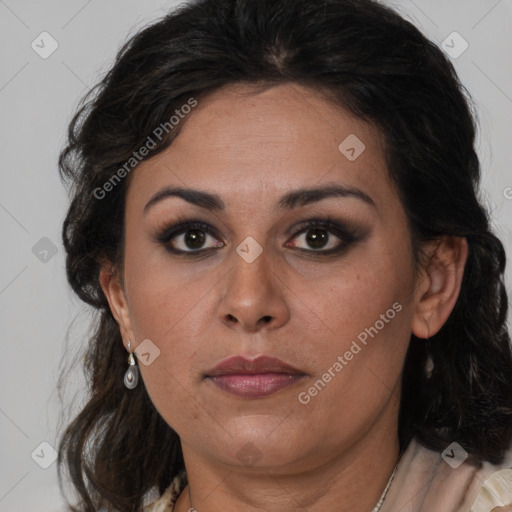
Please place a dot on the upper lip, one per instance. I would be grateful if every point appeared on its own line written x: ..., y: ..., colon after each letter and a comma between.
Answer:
x: 261, y: 364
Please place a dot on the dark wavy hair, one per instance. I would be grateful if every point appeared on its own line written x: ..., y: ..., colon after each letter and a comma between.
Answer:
x: 365, y: 57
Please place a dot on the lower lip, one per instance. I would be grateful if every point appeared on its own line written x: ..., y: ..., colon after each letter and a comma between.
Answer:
x: 254, y: 385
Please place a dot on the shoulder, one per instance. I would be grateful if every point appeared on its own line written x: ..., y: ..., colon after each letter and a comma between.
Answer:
x: 496, y: 491
x: 165, y: 503
x: 428, y: 480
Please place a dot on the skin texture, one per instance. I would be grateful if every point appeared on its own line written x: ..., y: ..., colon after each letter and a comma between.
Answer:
x: 338, y: 451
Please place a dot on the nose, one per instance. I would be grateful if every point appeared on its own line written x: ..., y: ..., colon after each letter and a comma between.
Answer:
x: 253, y: 297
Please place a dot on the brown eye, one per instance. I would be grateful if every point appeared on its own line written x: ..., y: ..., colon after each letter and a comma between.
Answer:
x: 194, y: 239
x: 318, y: 238
x: 324, y: 236
x: 189, y: 237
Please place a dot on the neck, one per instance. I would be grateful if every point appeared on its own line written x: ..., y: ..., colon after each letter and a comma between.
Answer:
x: 351, y: 481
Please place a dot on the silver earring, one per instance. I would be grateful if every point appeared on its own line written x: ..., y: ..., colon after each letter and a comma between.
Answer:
x: 131, y: 377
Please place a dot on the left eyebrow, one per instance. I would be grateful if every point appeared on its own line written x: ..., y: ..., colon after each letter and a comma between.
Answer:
x: 290, y: 200
x: 305, y: 196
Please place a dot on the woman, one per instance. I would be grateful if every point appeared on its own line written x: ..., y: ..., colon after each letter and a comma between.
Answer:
x: 275, y: 213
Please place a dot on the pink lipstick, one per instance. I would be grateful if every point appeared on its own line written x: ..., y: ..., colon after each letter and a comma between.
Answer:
x: 254, y: 378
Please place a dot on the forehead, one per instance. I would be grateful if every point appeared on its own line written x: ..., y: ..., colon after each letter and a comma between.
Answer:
x: 239, y: 140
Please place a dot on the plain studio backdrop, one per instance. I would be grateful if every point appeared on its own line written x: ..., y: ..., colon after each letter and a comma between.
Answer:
x: 40, y: 85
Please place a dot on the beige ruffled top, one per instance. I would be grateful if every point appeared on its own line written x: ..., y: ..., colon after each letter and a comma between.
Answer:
x: 425, y: 481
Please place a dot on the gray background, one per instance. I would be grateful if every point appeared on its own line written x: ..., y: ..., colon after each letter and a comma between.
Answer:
x: 37, y: 98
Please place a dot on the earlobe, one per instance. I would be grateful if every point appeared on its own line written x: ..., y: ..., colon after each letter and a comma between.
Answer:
x: 440, y: 285
x: 113, y: 289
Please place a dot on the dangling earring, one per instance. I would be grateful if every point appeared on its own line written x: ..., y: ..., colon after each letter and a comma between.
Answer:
x: 131, y: 377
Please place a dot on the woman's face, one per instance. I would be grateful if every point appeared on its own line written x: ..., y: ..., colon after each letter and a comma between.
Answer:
x: 336, y: 304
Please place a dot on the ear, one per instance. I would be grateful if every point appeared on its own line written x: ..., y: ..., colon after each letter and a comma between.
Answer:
x: 439, y: 284
x: 112, y: 286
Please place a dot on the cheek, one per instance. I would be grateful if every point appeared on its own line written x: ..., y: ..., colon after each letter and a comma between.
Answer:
x: 358, y: 350
x: 353, y: 294
x: 165, y: 307
x: 362, y: 311
x: 163, y: 294
x: 367, y: 329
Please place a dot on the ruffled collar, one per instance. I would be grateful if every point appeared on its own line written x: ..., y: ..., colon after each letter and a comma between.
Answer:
x: 167, y: 501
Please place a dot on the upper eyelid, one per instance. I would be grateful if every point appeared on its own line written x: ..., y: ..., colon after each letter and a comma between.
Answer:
x: 180, y: 227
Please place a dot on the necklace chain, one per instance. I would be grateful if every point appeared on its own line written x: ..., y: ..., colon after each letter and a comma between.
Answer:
x: 384, y: 494
x: 375, y: 509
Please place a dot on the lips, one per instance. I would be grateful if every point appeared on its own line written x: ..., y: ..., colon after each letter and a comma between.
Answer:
x: 256, y: 378
x: 263, y: 364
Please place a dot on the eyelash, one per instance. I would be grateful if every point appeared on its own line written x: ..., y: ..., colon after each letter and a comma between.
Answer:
x: 346, y: 234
